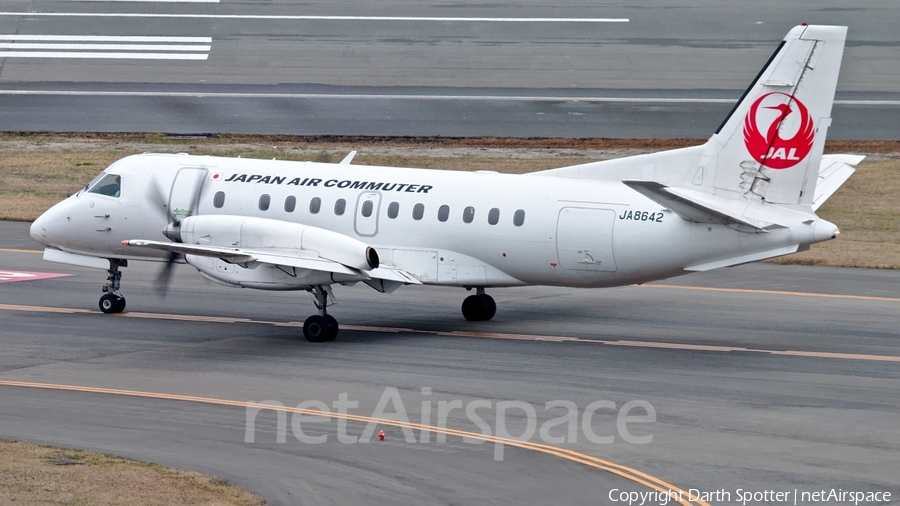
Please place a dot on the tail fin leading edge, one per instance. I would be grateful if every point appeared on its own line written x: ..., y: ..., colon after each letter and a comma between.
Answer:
x: 770, y: 147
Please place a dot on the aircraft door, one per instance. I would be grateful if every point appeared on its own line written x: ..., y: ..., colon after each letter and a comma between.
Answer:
x: 584, y: 239
x: 184, y: 197
x: 367, y: 213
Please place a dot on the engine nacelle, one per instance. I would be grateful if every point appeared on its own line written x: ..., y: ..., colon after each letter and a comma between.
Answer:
x: 263, y: 233
x: 259, y: 276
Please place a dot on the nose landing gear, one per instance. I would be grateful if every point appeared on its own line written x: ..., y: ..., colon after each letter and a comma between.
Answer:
x: 112, y: 301
x: 479, y: 307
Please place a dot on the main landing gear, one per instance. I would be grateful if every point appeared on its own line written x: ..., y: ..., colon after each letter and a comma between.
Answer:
x: 112, y: 301
x: 322, y: 327
x: 479, y: 307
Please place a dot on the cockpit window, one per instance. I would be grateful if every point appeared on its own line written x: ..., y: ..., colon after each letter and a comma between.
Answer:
x: 111, y: 185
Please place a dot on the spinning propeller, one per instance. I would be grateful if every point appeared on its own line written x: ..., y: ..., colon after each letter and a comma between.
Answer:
x: 164, y: 205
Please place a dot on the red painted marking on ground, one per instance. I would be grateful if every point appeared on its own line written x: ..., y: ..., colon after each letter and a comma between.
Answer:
x: 13, y: 276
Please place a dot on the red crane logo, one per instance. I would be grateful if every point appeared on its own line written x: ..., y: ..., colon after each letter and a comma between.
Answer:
x: 772, y: 150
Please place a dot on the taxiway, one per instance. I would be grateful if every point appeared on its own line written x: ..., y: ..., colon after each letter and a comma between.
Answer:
x: 762, y: 377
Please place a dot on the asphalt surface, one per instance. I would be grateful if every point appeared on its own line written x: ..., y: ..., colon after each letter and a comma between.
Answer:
x: 466, y: 69
x: 762, y: 377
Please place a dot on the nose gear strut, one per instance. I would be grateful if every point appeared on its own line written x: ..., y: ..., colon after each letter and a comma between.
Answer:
x: 112, y: 301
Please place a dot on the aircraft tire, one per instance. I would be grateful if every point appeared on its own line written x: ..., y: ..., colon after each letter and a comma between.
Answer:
x: 316, y: 329
x: 475, y: 308
x: 111, y: 303
x: 334, y: 327
x: 490, y: 307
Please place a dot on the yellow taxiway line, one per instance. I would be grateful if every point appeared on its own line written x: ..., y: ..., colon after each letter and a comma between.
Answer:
x: 472, y: 334
x: 688, y: 287
x: 14, y: 250
x: 581, y: 458
x: 775, y: 292
x: 678, y: 287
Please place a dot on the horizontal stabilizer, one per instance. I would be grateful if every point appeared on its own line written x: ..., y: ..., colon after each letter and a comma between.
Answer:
x: 743, y: 259
x: 833, y: 172
x: 698, y: 207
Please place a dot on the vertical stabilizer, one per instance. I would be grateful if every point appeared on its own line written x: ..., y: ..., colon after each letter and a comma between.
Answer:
x: 770, y: 146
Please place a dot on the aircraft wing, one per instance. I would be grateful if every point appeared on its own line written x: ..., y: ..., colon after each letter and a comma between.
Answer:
x: 230, y: 255
x: 287, y: 258
x: 393, y: 274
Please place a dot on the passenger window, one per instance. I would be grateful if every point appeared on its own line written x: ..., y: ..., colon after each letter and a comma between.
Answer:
x: 219, y: 200
x: 290, y: 203
x: 367, y: 208
x: 111, y: 186
x: 443, y: 213
x: 340, y: 206
x: 418, y: 211
x: 494, y: 216
x: 468, y: 214
x: 314, y: 205
x: 519, y: 218
x: 393, y: 210
x: 264, y: 201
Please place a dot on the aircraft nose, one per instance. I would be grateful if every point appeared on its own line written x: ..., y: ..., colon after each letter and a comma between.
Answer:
x: 42, y: 228
x: 37, y: 229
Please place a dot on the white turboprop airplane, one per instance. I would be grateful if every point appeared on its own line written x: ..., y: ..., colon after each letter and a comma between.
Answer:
x: 749, y: 193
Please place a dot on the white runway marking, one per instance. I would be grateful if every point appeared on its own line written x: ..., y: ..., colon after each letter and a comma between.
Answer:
x: 104, y: 47
x: 14, y: 276
x: 156, y: 1
x: 106, y: 38
x: 358, y: 96
x: 339, y: 96
x: 109, y: 56
x: 314, y: 18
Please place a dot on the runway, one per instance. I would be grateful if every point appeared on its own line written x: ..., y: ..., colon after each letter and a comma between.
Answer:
x: 449, y: 69
x: 762, y: 377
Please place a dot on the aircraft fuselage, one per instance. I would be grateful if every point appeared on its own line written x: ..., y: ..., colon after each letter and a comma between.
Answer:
x: 445, y: 227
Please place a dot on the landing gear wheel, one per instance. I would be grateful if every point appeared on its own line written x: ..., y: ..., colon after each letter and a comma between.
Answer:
x: 334, y: 327
x: 317, y: 329
x: 111, y: 303
x: 476, y: 308
x: 491, y: 307
x: 470, y: 308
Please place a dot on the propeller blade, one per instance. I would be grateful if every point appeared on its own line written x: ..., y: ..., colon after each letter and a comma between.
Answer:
x: 159, y: 201
x: 161, y: 285
x: 195, y: 198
